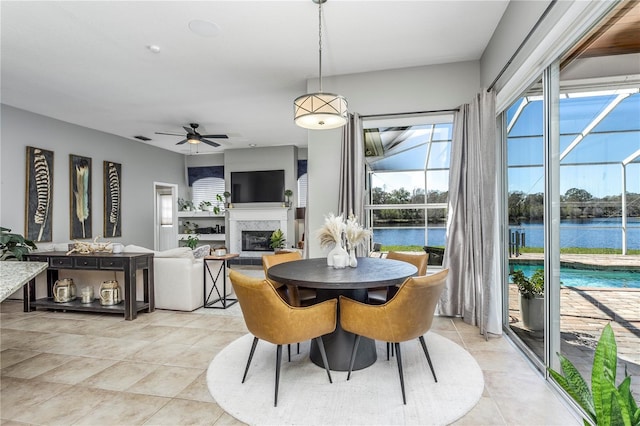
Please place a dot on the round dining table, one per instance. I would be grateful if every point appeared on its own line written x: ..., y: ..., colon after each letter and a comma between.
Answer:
x: 330, y: 283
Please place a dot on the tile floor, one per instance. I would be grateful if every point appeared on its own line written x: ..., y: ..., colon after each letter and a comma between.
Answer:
x: 91, y: 369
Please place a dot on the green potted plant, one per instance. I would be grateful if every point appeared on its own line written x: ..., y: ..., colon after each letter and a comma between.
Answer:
x: 14, y: 246
x: 206, y: 206
x: 191, y: 241
x: 185, y: 205
x: 605, y: 403
x: 277, y: 240
x: 219, y: 202
x: 531, y: 298
x: 191, y: 227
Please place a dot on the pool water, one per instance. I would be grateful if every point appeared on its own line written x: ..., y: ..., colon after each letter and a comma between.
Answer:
x: 571, y: 277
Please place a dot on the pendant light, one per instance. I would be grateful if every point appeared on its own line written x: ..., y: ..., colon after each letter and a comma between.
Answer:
x: 320, y: 110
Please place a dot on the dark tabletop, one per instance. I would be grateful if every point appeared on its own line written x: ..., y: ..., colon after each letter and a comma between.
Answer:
x: 315, y: 273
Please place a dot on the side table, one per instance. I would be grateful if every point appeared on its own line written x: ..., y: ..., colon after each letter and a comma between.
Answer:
x: 223, y: 301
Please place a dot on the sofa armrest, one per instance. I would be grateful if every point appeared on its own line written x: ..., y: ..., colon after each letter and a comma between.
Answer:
x: 178, y: 283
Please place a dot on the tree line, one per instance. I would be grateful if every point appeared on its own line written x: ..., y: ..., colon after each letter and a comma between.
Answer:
x: 403, y: 196
x: 576, y: 203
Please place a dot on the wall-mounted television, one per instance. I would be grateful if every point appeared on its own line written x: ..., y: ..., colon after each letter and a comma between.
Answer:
x: 264, y: 186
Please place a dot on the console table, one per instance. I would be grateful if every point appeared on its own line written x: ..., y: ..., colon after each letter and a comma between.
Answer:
x: 129, y: 263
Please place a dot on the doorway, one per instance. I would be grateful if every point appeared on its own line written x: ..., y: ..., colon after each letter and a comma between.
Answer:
x: 165, y: 216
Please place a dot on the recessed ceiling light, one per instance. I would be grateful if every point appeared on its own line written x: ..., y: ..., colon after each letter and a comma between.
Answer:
x: 154, y: 48
x: 252, y: 145
x: 204, y: 28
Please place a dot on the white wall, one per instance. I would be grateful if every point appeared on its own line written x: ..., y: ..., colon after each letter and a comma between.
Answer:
x: 141, y: 166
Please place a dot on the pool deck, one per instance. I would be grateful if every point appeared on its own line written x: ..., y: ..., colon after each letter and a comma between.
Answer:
x: 590, y: 261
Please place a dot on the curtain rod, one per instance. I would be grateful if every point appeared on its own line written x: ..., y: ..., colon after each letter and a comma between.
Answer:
x: 409, y: 113
x: 533, y: 29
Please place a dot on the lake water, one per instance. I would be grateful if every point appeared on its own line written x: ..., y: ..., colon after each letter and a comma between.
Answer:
x: 588, y: 233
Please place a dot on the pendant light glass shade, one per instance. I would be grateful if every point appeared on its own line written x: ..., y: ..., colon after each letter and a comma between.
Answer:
x: 320, y: 111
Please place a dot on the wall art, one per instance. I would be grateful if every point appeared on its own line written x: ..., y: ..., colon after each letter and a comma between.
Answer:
x: 39, y: 197
x: 112, y: 199
x: 80, y: 210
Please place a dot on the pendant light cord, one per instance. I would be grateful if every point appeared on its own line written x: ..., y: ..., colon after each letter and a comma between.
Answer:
x: 320, y: 44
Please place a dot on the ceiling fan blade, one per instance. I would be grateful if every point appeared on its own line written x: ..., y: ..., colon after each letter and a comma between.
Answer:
x: 170, y: 134
x: 210, y: 143
x: 188, y: 129
x: 216, y: 136
x: 181, y: 142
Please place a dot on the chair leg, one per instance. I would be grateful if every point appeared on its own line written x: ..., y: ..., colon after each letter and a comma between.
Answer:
x: 353, y: 355
x: 324, y: 356
x: 426, y: 352
x: 253, y: 348
x: 298, y: 348
x: 399, y: 358
x: 278, y: 361
x: 388, y: 351
x: 289, y: 352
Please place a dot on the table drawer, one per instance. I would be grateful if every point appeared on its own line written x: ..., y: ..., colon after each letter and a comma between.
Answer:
x: 61, y: 262
x: 85, y: 263
x: 34, y: 258
x: 108, y: 263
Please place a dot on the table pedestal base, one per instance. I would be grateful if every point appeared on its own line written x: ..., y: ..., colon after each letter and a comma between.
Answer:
x: 339, y: 344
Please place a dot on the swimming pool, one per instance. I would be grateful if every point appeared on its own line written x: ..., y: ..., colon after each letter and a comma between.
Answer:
x: 599, y: 278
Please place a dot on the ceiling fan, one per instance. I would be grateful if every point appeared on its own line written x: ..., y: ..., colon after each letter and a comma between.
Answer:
x: 194, y: 137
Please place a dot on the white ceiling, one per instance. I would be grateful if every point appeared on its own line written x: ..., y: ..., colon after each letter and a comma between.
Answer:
x: 87, y: 62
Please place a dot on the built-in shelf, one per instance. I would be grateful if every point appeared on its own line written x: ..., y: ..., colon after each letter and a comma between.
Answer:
x: 204, y: 237
x: 201, y: 214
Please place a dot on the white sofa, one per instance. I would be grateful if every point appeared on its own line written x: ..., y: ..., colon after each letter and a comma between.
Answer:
x: 178, y: 277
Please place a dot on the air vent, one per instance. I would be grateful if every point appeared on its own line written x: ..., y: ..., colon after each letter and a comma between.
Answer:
x: 142, y: 138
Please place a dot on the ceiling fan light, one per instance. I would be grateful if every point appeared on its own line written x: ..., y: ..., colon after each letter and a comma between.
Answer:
x: 320, y: 111
x: 192, y: 139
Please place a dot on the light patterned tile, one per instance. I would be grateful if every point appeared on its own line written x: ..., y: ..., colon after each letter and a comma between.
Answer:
x: 186, y: 412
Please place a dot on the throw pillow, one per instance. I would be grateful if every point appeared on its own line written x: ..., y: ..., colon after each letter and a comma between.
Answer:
x: 201, y: 251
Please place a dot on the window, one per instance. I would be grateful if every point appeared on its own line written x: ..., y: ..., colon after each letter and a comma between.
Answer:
x: 407, y: 163
x: 166, y: 210
x: 206, y: 189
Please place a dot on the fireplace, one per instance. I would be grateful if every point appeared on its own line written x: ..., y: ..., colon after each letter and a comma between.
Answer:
x: 259, y: 221
x: 256, y: 240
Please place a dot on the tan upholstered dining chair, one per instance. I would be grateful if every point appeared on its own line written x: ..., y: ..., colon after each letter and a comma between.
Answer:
x: 380, y: 295
x: 295, y: 296
x: 408, y: 315
x: 270, y: 318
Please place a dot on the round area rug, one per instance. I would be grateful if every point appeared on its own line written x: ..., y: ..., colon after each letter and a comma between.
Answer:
x: 371, y: 396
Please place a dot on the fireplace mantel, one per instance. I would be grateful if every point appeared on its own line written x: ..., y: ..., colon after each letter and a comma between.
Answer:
x: 254, y: 219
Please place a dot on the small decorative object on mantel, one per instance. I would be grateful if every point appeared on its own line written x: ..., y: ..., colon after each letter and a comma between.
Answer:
x: 331, y: 235
x: 227, y: 197
x: 355, y: 235
x: 288, y: 193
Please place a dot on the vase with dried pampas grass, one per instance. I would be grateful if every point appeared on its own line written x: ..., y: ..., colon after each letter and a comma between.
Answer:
x: 355, y: 235
x: 330, y: 235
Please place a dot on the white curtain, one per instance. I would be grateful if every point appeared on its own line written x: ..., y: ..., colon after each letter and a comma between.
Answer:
x: 351, y: 195
x: 472, y: 251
